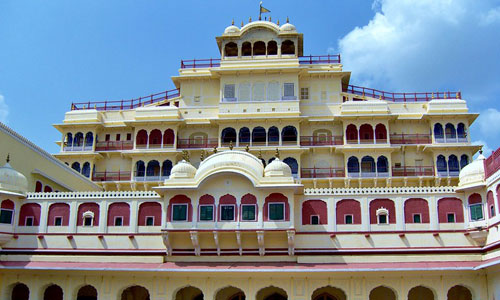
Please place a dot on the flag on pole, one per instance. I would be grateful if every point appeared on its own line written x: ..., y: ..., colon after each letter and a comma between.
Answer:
x: 262, y: 10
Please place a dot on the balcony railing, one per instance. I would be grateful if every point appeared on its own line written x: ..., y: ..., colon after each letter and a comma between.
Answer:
x: 200, y: 63
x: 126, y: 104
x: 448, y: 173
x: 154, y: 146
x: 111, y: 176
x: 152, y: 177
x: 322, y: 172
x: 412, y: 171
x: 417, y: 138
x: 114, y: 146
x: 77, y: 147
x: 320, y: 59
x: 197, y: 143
x: 492, y: 163
x: 283, y: 98
x: 399, y: 97
x: 450, y: 139
x: 321, y: 140
x: 367, y: 141
x: 368, y: 174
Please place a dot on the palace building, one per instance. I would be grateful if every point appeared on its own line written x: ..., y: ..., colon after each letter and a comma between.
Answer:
x: 263, y: 175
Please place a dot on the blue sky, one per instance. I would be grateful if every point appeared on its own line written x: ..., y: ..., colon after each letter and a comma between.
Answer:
x: 55, y: 52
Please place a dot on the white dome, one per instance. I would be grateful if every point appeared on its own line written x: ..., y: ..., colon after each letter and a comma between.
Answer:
x: 472, y: 175
x: 231, y: 29
x: 277, y: 168
x: 287, y: 27
x: 183, y: 169
x: 12, y: 181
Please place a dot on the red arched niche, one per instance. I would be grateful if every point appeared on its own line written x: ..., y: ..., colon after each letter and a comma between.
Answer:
x: 88, y: 206
x: 276, y: 198
x: 228, y: 199
x: 314, y: 208
x: 348, y: 207
x: 416, y: 206
x: 58, y: 210
x: 149, y: 209
x: 180, y: 199
x: 30, y: 210
x: 119, y: 209
x: 491, y: 204
x: 385, y: 203
x: 450, y: 205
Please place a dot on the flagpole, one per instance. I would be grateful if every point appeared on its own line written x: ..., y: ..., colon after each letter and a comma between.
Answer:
x: 260, y: 11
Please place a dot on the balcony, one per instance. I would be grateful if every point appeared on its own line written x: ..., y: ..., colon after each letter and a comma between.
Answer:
x: 77, y: 147
x: 368, y: 174
x: 451, y: 139
x: 492, y: 163
x: 321, y: 140
x: 322, y: 172
x: 149, y: 178
x: 399, y: 97
x: 111, y: 176
x: 197, y: 143
x: 412, y: 171
x: 114, y: 146
x: 319, y: 59
x: 154, y: 146
x: 410, y: 139
x: 366, y: 141
x: 448, y: 173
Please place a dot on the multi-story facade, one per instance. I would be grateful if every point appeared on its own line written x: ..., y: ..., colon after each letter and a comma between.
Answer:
x: 263, y: 175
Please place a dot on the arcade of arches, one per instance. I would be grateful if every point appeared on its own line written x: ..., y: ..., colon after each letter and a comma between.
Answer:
x: 20, y: 291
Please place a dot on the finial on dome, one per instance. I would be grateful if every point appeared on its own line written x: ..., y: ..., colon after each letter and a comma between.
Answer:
x: 277, y: 154
x: 260, y: 154
x: 250, y: 20
x: 202, y: 155
x: 287, y: 20
x: 185, y: 155
x: 269, y: 18
x: 481, y: 150
x: 247, y: 149
x: 232, y: 23
x: 230, y: 145
x: 215, y: 149
x: 242, y: 24
x: 278, y: 22
x: 8, y: 158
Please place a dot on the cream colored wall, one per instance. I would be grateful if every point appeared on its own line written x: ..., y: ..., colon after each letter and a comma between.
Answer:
x: 206, y: 89
x: 26, y: 160
x: 331, y: 84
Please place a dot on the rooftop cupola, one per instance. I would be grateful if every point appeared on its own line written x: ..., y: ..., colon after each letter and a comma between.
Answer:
x: 260, y: 40
x: 12, y: 181
x: 472, y: 175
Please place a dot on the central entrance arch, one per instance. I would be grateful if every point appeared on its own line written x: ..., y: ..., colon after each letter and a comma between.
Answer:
x: 328, y: 293
x: 230, y: 293
x: 189, y: 293
x: 272, y: 293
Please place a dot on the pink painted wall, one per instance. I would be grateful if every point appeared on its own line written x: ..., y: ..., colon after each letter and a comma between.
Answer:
x: 348, y: 207
x: 30, y: 210
x: 7, y: 204
x: 450, y: 205
x: 273, y: 198
x: 416, y: 206
x: 385, y: 203
x: 150, y: 209
x: 88, y: 206
x: 58, y: 210
x: 314, y: 207
x: 491, y: 202
x: 178, y: 199
x: 119, y: 209
x: 475, y: 198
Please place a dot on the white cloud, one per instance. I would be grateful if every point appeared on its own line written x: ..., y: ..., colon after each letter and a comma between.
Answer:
x: 427, y: 45
x: 484, y: 129
x: 4, y: 110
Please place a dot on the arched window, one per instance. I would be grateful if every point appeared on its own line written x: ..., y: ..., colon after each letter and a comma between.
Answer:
x: 137, y: 292
x: 20, y: 292
x: 168, y: 137
x: 272, y: 48
x: 380, y: 133
x: 287, y: 47
x: 380, y: 207
x: 244, y: 136
x: 259, y: 48
x: 248, y: 208
x: 292, y: 163
x: 441, y: 165
x: 58, y: 215
x: 86, y: 169
x: 47, y: 189
x: 88, y: 214
x: 76, y: 166
x: 464, y: 160
x: 78, y: 140
x: 119, y: 214
x: 155, y: 139
x: 314, y: 212
x: 230, y: 293
x: 450, y: 210
x: 461, y: 131
x: 89, y: 139
x: 153, y: 169
x: 438, y: 131
x: 179, y: 209
x: 231, y: 49
x: 491, y: 204
x: 87, y: 292
x: 142, y: 138
x: 271, y: 293
x: 273, y: 136
x: 140, y: 169
x: 69, y: 139
x: 382, y: 292
x: 246, y: 49
x: 228, y: 135
x: 476, y: 207
x: 258, y: 136
x: 53, y: 292
x: 150, y: 214
x: 450, y: 131
x: 351, y: 133
x: 453, y: 166
x: 6, y: 212
x: 29, y: 214
x: 38, y: 187
x: 366, y: 133
x: 227, y: 208
x: 382, y: 166
x: 206, y: 208
x: 329, y: 293
x: 166, y: 168
x: 289, y: 135
x: 353, y: 166
x: 276, y: 208
x: 368, y: 166
x: 420, y: 293
x: 348, y: 211
x: 416, y: 211
x: 459, y: 292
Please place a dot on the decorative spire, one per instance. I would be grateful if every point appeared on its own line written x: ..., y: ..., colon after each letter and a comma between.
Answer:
x: 278, y: 22
x: 215, y: 149
x: 202, y: 155
x: 287, y: 20
x: 260, y: 154
x: 8, y: 158
x: 247, y: 149
x: 230, y: 145
x: 269, y: 18
x: 242, y: 23
x: 250, y: 20
x: 232, y: 23
x: 185, y: 155
x: 277, y: 154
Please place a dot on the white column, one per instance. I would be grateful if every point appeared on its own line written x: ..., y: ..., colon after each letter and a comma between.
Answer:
x: 44, y: 214
x: 103, y: 216
x: 260, y: 214
x: 374, y: 136
x: 73, y: 216
x: 332, y: 214
x: 466, y: 210
x: 433, y: 213
x: 291, y: 204
x: 358, y: 135
x: 365, y: 214
x: 134, y: 216
x: 400, y: 216
x: 164, y: 206
x: 147, y: 139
